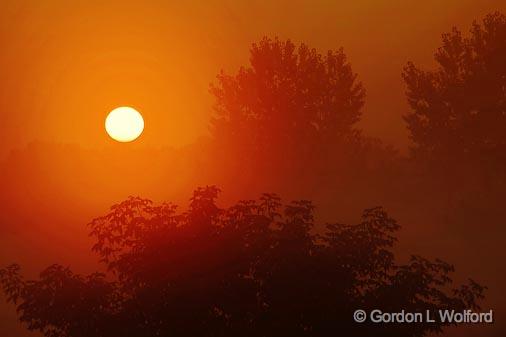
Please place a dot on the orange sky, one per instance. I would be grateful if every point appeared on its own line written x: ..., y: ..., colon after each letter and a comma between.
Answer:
x: 64, y: 65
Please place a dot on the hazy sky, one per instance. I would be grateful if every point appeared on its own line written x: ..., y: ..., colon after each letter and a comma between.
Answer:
x: 65, y: 64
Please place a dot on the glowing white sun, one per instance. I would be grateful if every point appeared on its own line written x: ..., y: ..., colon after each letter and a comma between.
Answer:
x: 124, y: 124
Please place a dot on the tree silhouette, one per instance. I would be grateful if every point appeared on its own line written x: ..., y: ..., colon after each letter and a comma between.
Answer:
x: 289, y: 98
x: 459, y: 109
x: 257, y: 268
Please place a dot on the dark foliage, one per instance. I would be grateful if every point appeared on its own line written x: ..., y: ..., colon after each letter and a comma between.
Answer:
x: 255, y: 269
x: 288, y: 98
x: 459, y: 109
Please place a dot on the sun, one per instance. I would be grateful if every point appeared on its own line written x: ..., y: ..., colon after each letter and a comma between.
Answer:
x: 124, y: 124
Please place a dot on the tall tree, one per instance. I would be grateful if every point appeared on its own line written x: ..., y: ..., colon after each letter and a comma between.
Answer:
x: 459, y: 109
x: 289, y: 97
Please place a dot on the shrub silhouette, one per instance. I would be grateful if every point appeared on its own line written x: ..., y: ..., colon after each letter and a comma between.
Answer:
x: 257, y: 268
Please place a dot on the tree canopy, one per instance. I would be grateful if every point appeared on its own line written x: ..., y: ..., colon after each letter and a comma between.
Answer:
x: 257, y: 268
x: 459, y: 109
x: 289, y: 96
